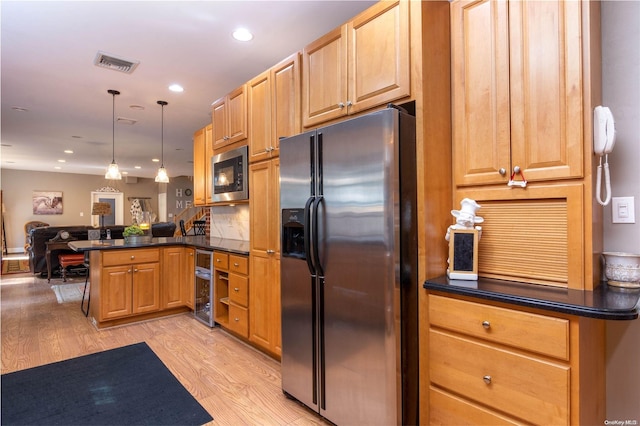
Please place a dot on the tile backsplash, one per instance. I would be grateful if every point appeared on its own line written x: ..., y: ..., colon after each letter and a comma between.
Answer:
x: 231, y: 222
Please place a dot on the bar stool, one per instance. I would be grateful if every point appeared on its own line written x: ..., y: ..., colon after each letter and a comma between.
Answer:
x: 86, y: 281
x: 67, y: 260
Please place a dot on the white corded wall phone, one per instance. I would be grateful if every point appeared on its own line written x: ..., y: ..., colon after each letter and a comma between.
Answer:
x: 604, y: 138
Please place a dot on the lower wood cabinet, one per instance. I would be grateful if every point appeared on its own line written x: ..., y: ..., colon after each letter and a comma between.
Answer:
x: 131, y: 285
x: 494, y: 364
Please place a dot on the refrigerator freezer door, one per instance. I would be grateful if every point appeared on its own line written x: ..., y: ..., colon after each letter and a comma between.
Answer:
x: 298, y: 289
x: 358, y: 247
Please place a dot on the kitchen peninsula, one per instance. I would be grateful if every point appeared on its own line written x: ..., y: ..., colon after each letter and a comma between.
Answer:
x: 135, y: 282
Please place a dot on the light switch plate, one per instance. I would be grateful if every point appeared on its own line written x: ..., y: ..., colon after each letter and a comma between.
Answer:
x: 623, y: 210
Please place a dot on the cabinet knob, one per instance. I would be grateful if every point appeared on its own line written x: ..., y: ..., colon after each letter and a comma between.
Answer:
x: 236, y: 264
x: 502, y: 171
x: 236, y: 319
x: 341, y: 105
x: 516, y: 169
x: 349, y: 103
x: 487, y: 379
x: 486, y: 324
x: 217, y: 260
x: 128, y: 271
x: 236, y: 289
x: 135, y: 270
x: 132, y: 257
x: 270, y: 251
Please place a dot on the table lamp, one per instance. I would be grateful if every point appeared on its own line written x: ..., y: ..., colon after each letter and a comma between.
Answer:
x: 101, y: 209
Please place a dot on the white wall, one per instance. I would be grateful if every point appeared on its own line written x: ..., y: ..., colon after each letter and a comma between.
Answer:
x: 621, y: 92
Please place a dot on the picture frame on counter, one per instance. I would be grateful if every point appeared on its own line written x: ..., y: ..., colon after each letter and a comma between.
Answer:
x: 463, y: 254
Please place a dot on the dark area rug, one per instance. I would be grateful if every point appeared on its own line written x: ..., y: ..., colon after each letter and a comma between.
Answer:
x: 124, y: 386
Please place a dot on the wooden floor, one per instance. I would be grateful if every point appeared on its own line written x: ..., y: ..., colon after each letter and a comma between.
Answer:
x: 235, y: 383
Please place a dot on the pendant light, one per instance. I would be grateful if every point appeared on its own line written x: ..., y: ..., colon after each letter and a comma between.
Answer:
x: 113, y: 172
x: 162, y: 176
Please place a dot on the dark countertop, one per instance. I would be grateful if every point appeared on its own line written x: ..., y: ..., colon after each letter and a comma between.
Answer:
x: 606, y: 302
x: 199, y: 242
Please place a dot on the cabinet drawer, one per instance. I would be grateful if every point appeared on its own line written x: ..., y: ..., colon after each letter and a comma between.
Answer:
x: 447, y: 409
x: 239, y: 289
x: 524, y: 330
x: 220, y: 260
x: 239, y: 320
x: 522, y: 386
x: 129, y: 257
x: 239, y: 264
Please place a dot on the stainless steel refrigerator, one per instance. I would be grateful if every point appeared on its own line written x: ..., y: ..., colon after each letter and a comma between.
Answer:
x: 349, y: 269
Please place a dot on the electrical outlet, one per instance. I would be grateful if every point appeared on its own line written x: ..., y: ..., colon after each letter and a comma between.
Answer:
x: 623, y: 210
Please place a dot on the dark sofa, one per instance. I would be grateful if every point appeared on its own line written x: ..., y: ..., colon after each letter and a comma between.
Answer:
x: 38, y: 237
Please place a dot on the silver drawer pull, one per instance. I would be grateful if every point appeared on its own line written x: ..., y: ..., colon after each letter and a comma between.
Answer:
x: 270, y: 251
x: 132, y: 257
x: 487, y: 379
x: 235, y: 264
x: 236, y: 319
x: 486, y: 324
x: 236, y: 289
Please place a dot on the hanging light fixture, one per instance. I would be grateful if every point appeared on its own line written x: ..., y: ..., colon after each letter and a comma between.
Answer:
x: 113, y: 172
x: 162, y: 176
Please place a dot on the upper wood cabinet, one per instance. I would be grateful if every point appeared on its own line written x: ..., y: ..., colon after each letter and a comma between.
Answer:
x: 229, y: 118
x: 360, y: 65
x: 202, y: 152
x: 274, y: 108
x: 517, y: 90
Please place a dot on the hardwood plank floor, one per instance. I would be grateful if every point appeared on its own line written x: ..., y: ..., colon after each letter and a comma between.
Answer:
x: 235, y: 383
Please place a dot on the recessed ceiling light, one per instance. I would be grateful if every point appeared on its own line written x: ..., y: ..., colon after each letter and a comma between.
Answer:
x: 62, y: 161
x: 125, y: 173
x: 137, y: 167
x: 176, y: 88
x: 68, y: 151
x: 242, y: 34
x: 155, y: 160
x: 58, y: 168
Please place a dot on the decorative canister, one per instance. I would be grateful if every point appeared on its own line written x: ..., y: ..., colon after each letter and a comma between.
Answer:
x: 622, y: 269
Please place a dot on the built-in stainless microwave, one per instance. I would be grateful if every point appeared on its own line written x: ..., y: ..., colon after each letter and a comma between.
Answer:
x: 230, y: 177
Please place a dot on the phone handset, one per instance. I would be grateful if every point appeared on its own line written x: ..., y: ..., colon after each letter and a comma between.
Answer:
x: 604, y: 139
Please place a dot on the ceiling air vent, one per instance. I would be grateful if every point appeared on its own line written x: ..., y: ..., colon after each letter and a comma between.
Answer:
x: 105, y: 60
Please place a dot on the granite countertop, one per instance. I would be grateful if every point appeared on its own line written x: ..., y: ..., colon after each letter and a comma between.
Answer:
x: 605, y: 302
x: 199, y: 242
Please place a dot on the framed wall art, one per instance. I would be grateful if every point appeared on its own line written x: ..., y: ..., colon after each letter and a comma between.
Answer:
x: 47, y: 202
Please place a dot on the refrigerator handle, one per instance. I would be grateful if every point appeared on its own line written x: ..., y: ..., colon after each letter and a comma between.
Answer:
x: 314, y: 233
x: 307, y: 235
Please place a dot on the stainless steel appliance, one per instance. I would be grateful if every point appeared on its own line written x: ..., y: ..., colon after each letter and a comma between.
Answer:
x: 204, y: 287
x: 349, y: 269
x: 230, y: 178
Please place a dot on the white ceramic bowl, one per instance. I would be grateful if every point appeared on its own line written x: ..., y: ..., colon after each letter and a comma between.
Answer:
x: 622, y: 269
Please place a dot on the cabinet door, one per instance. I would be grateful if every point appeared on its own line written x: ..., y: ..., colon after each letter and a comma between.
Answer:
x: 260, y: 183
x: 285, y: 110
x: 481, y: 112
x: 115, y: 293
x: 237, y: 115
x: 199, y: 188
x: 260, y: 300
x: 189, y: 277
x: 219, y: 122
x: 146, y: 287
x: 259, y: 94
x: 173, y: 277
x: 208, y: 174
x: 546, y: 88
x: 379, y: 70
x: 324, y: 78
